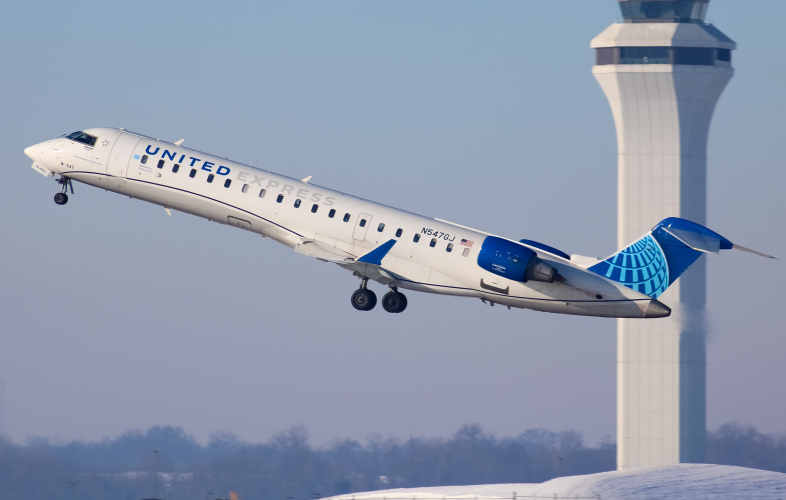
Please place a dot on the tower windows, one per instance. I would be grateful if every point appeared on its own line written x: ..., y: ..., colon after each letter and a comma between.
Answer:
x: 669, y: 11
x: 644, y: 55
x: 688, y: 56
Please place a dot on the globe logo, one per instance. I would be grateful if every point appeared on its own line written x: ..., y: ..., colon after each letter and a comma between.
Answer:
x: 641, y: 267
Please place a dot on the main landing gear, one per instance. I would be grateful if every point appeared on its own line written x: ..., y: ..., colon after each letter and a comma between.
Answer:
x: 364, y: 299
x: 61, y: 198
x: 394, y: 301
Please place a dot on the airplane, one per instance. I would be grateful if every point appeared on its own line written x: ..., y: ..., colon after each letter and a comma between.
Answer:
x: 396, y: 248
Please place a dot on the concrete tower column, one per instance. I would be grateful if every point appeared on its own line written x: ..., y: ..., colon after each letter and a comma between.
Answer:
x: 663, y: 70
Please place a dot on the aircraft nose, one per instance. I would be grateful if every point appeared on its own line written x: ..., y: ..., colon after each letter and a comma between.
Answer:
x: 36, y: 151
x: 657, y: 309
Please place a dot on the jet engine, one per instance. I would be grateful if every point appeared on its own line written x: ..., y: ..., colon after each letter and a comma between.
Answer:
x: 514, y: 261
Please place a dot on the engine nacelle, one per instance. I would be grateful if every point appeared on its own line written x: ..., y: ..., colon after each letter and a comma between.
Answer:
x: 513, y: 261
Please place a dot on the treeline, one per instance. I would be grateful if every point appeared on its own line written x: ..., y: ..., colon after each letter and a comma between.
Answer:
x: 167, y: 463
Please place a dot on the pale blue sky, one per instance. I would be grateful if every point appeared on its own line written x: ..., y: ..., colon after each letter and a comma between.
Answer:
x: 117, y: 317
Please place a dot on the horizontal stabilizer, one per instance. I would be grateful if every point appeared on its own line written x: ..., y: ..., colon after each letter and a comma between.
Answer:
x: 698, y: 241
x: 754, y: 252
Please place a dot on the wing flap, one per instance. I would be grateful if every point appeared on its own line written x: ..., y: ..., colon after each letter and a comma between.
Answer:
x: 323, y: 251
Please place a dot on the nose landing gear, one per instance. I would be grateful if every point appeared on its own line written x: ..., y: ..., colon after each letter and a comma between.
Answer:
x: 61, y: 198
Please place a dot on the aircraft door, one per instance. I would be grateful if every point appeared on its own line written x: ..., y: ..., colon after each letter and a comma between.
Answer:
x: 361, y: 227
x: 117, y: 166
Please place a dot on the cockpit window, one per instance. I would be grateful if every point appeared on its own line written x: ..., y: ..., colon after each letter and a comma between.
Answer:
x: 83, y: 138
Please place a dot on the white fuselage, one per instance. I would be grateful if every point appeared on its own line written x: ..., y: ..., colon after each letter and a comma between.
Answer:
x: 429, y: 255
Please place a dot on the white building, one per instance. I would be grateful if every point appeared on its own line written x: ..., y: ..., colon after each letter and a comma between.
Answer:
x: 663, y: 70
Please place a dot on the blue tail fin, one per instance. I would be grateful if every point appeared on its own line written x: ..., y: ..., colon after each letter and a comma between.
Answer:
x: 655, y: 261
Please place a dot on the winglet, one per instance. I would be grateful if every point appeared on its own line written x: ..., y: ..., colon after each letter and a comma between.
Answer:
x: 306, y: 179
x: 178, y: 143
x: 375, y: 256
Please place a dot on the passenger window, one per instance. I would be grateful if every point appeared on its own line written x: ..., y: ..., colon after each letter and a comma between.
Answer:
x: 449, y: 248
x: 346, y: 217
x: 227, y: 183
x: 160, y: 163
x: 280, y: 198
x: 210, y: 178
x: 398, y: 232
x: 314, y: 208
x: 262, y: 193
x: 143, y: 160
x: 381, y: 227
x: 244, y: 188
x: 297, y: 203
x: 332, y: 213
x: 175, y: 168
x: 465, y: 252
x: 362, y: 222
x: 192, y: 174
x: 416, y: 238
x: 433, y: 243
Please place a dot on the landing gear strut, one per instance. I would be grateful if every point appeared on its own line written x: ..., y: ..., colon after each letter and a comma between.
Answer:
x: 364, y: 299
x: 61, y: 198
x: 394, y: 301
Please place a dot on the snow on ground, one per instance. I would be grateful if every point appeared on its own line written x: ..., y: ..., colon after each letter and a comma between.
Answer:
x: 679, y: 482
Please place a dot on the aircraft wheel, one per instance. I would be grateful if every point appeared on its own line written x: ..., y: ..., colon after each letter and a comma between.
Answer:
x: 364, y: 299
x: 61, y: 198
x: 394, y: 302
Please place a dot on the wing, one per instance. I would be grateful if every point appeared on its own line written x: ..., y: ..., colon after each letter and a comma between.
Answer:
x: 368, y: 266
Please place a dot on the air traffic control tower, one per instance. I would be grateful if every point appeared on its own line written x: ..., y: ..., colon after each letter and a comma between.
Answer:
x: 662, y: 69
